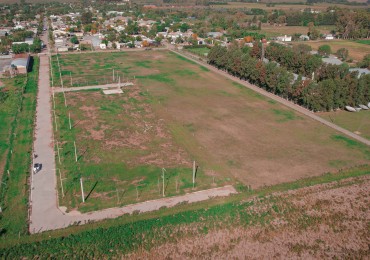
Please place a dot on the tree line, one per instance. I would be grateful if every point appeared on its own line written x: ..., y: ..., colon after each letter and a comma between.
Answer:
x: 333, y: 86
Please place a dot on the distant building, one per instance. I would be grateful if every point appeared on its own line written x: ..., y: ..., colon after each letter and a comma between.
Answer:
x: 304, y: 37
x: 103, y: 46
x: 329, y: 37
x: 284, y: 38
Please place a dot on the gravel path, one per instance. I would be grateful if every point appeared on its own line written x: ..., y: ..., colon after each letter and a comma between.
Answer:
x: 274, y: 97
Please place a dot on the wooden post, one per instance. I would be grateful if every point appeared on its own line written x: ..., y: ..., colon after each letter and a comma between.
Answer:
x: 82, y: 191
x: 69, y: 119
x: 74, y: 143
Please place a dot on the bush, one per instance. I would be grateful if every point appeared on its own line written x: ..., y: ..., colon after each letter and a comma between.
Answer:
x: 342, y: 54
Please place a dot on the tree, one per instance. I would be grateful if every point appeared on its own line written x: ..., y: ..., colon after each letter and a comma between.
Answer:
x: 312, y: 31
x: 86, y: 17
x: 74, y: 40
x: 324, y: 50
x: 365, y: 63
x: 342, y: 54
x: 302, y: 48
x: 20, y: 48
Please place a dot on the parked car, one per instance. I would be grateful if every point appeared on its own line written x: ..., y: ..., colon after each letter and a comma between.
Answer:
x: 37, y: 167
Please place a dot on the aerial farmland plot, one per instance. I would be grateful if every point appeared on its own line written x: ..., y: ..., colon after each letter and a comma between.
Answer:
x: 178, y: 112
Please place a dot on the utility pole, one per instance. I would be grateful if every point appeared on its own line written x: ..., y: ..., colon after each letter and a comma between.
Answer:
x: 58, y: 152
x: 61, y: 182
x: 55, y: 120
x: 163, y: 170
x: 69, y: 119
x: 74, y: 143
x: 193, y: 174
x: 82, y: 191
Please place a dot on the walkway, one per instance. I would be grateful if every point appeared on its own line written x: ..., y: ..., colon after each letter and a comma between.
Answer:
x: 107, y: 86
x: 276, y: 98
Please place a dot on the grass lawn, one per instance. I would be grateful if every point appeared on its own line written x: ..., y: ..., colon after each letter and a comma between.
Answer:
x: 178, y: 112
x: 355, y: 122
x: 356, y: 50
x: 363, y: 42
x: 14, y: 189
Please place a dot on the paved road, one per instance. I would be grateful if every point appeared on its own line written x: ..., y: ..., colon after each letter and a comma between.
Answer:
x: 274, y: 97
x: 106, y: 86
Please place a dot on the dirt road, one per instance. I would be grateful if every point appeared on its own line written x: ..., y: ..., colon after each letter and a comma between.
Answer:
x: 107, y: 86
x: 274, y: 97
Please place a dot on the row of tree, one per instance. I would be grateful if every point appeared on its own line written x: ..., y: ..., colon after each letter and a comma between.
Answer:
x: 334, y: 86
x: 298, y: 59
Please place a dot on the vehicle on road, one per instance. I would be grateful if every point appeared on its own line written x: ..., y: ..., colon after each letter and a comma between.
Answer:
x: 37, y: 167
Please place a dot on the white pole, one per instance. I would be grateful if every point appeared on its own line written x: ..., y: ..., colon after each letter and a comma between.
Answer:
x: 69, y: 117
x: 163, y: 170
x: 58, y: 151
x: 82, y: 191
x: 193, y: 174
x: 55, y: 119
x: 61, y: 182
x: 74, y: 143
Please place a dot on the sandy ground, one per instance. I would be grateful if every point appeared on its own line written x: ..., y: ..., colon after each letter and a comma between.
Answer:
x: 324, y: 221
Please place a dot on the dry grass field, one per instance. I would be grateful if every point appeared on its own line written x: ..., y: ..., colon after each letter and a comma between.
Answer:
x: 272, y: 31
x: 319, y: 222
x: 178, y: 112
x: 356, y: 50
x: 285, y: 7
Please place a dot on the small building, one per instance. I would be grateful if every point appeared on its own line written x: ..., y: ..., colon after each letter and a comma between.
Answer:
x: 304, y: 37
x: 29, y: 41
x: 21, y: 62
x: 284, y: 38
x: 62, y: 49
x: 103, y: 46
x: 329, y: 37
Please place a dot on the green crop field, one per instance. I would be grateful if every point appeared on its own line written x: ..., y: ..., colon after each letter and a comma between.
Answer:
x: 175, y: 113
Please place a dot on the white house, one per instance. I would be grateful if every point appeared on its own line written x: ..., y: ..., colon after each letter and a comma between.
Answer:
x: 329, y: 37
x: 284, y: 38
x: 103, y: 46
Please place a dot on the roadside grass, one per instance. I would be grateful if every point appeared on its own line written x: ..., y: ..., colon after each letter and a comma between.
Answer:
x: 11, y: 97
x: 353, y: 144
x: 285, y: 115
x: 15, y: 189
x: 109, y: 238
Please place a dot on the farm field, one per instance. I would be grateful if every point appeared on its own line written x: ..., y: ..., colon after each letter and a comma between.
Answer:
x: 355, y: 122
x: 285, y: 7
x: 357, y: 51
x: 273, y: 31
x: 178, y: 112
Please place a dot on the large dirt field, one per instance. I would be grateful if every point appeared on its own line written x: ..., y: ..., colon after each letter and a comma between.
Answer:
x: 272, y: 31
x: 328, y: 221
x: 178, y: 112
